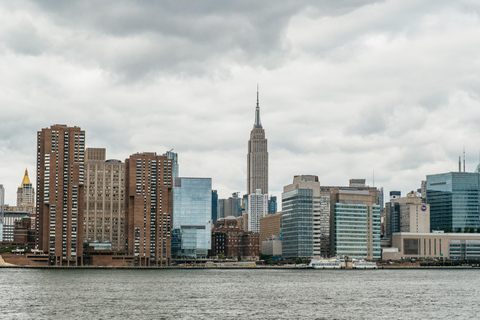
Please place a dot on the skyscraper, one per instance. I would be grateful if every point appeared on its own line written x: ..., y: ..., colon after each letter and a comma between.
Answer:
x: 257, y: 209
x: 257, y: 158
x: 104, y: 199
x: 192, y: 214
x: 25, y: 195
x: 60, y: 193
x: 454, y: 199
x: 356, y: 223
x: 148, y: 208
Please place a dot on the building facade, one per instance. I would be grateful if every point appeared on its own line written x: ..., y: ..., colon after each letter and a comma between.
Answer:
x: 411, y: 215
x: 356, y: 223
x: 297, y: 223
x: 321, y: 212
x: 257, y: 157
x: 25, y: 195
x: 192, y: 210
x: 435, y: 245
x: 214, y: 206
x: 148, y: 208
x: 104, y: 199
x: 272, y: 204
x: 60, y: 193
x: 270, y: 226
x: 257, y: 209
x: 454, y: 200
x: 2, y: 210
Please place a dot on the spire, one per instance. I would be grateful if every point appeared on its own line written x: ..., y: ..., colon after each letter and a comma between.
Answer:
x: 257, y: 124
x: 25, y: 178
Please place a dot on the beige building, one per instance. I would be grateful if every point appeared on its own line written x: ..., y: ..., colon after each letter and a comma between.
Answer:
x: 414, y: 215
x: 434, y: 245
x: 25, y: 195
x: 355, y: 227
x: 257, y: 158
x: 270, y: 226
x: 104, y: 199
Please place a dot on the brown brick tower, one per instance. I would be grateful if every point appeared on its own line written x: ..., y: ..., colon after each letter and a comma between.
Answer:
x: 148, y: 208
x: 60, y: 192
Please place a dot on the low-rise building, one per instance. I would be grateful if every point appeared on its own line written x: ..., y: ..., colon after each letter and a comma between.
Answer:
x: 435, y: 245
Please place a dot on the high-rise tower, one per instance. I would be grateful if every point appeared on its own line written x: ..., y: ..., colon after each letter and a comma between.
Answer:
x: 60, y: 192
x: 25, y: 195
x: 257, y: 158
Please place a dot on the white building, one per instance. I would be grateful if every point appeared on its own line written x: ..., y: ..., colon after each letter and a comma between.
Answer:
x: 257, y: 208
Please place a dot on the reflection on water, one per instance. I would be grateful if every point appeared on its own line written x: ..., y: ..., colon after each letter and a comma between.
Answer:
x: 239, y: 294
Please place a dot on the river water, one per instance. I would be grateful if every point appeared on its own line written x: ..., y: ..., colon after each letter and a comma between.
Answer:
x: 239, y: 294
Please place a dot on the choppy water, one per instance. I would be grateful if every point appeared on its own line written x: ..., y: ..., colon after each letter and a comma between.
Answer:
x: 239, y: 294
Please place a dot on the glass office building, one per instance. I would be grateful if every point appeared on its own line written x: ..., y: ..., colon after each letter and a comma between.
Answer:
x: 297, y: 223
x: 357, y: 230
x: 192, y: 211
x: 454, y: 200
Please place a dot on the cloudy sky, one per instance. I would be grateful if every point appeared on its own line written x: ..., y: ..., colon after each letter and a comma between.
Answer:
x: 347, y: 88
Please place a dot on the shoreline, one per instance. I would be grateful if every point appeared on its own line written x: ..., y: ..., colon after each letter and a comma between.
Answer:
x: 229, y: 267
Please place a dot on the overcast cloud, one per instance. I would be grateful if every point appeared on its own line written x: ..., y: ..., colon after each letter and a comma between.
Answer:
x: 347, y: 88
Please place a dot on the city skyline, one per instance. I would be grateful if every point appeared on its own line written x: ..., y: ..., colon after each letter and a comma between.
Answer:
x: 349, y: 90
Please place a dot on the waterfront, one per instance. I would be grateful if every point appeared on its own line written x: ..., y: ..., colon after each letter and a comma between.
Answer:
x: 239, y: 294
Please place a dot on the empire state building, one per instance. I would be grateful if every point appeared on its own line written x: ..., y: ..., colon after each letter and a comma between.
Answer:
x: 257, y: 158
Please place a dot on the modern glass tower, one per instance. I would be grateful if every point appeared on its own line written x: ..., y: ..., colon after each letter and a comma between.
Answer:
x: 257, y: 158
x: 192, y: 212
x: 454, y: 200
x: 297, y: 223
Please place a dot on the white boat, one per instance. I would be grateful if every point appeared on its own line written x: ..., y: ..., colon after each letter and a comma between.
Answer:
x: 327, y: 264
x: 362, y: 264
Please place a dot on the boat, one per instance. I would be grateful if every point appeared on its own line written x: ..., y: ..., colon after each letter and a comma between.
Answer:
x: 327, y: 264
x: 362, y: 264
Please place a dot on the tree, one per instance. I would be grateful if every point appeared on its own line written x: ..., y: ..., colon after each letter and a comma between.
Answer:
x: 448, y: 229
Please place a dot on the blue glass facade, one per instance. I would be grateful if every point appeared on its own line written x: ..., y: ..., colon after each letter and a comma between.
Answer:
x: 214, y: 206
x: 297, y: 223
x: 454, y: 200
x: 272, y: 204
x: 192, y: 212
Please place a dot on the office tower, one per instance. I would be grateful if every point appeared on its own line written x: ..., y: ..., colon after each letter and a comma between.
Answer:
x: 257, y: 158
x: 395, y: 195
x: 320, y: 212
x: 272, y: 204
x: 410, y: 214
x: 257, y: 209
x: 394, y: 210
x: 297, y: 223
x: 192, y: 213
x: 9, y: 224
x: 174, y: 157
x: 60, y: 193
x: 148, y: 208
x: 25, y: 195
x: 230, y: 207
x: 356, y: 223
x: 2, y: 210
x: 379, y: 198
x: 104, y: 199
x: 221, y: 209
x: 270, y: 226
x: 454, y: 200
x: 214, y: 206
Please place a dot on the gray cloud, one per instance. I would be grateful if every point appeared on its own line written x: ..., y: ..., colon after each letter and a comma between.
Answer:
x: 346, y: 87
